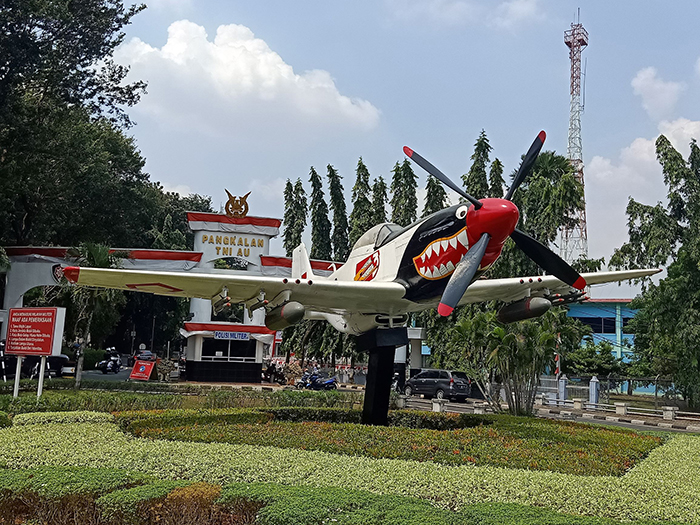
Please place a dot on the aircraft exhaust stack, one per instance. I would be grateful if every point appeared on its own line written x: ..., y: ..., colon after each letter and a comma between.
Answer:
x: 285, y: 315
x: 524, y: 309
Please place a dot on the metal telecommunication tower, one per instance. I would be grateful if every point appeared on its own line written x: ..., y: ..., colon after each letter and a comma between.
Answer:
x: 574, y: 241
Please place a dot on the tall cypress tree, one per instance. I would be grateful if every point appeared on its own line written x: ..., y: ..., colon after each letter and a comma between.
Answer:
x: 496, y: 181
x: 288, y: 238
x: 476, y: 182
x: 339, y: 239
x: 435, y: 197
x: 379, y: 201
x: 361, y: 215
x: 321, y: 247
x: 295, y: 209
x: 404, y: 202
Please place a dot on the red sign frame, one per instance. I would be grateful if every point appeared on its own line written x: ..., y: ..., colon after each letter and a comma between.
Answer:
x: 31, y: 331
x: 142, y: 370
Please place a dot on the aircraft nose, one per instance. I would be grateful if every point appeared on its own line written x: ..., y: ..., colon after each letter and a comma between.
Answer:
x: 497, y: 217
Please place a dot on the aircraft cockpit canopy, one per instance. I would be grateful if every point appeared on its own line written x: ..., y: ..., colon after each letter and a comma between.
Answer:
x: 377, y: 235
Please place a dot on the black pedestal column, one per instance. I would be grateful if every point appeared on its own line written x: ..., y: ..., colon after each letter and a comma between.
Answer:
x: 381, y: 345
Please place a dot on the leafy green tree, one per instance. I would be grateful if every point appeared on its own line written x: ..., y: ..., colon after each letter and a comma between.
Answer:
x: 435, y: 197
x: 62, y: 51
x: 167, y: 237
x: 341, y: 248
x: 591, y: 359
x: 476, y: 181
x: 667, y: 341
x: 295, y: 209
x: 321, y: 246
x: 379, y: 190
x: 361, y: 215
x: 404, y: 201
x: 496, y: 181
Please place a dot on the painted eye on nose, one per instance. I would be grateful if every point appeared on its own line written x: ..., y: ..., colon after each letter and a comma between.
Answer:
x: 461, y: 212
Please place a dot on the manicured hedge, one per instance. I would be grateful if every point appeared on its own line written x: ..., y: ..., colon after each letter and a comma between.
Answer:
x: 44, y: 418
x: 138, y: 420
x: 666, y: 486
x: 88, y: 400
x: 282, y: 398
x: 58, y: 495
x: 5, y: 420
x: 108, y: 496
x: 502, y: 441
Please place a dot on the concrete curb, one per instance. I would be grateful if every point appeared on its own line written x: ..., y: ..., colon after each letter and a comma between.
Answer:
x: 567, y: 414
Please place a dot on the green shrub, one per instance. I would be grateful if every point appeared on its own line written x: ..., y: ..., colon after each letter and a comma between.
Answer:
x: 666, y: 486
x: 5, y: 420
x: 137, y: 420
x: 279, y: 398
x: 44, y: 418
x: 58, y: 495
x: 127, y: 506
x: 94, y: 401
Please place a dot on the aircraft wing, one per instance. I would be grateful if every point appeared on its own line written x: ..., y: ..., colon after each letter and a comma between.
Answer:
x: 317, y: 294
x: 514, y: 288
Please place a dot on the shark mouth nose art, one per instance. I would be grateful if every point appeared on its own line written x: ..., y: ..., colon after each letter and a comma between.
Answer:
x: 440, y: 257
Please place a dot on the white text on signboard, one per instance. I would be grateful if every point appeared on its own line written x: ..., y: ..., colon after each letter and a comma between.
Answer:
x: 232, y: 336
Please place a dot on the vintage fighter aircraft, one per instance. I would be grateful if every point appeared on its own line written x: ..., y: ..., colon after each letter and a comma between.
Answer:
x: 393, y: 271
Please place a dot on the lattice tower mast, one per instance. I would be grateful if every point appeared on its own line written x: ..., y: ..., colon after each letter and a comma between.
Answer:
x: 574, y: 242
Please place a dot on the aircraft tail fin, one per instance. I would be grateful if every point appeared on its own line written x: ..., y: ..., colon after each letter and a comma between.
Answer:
x: 301, y: 265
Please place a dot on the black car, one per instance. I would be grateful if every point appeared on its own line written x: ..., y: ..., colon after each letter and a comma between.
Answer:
x: 441, y: 384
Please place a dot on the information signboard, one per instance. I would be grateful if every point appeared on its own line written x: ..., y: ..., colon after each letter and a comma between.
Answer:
x: 35, y: 331
x: 232, y: 336
x: 142, y: 370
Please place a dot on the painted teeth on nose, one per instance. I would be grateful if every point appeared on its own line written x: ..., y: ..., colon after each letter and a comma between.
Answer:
x: 428, y: 273
x: 429, y: 251
x: 422, y: 258
x: 462, y: 238
x: 436, y: 248
x: 453, y: 243
x: 421, y: 271
x: 450, y: 266
x: 444, y: 244
x: 442, y: 269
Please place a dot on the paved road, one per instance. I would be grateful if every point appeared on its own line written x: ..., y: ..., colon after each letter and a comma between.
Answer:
x: 122, y: 375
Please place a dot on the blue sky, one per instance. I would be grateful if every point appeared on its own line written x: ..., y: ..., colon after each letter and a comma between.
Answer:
x: 243, y: 95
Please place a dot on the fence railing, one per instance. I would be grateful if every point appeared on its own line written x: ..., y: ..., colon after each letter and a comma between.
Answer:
x: 585, y: 394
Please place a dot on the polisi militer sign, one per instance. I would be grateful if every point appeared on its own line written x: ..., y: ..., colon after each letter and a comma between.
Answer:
x: 35, y: 331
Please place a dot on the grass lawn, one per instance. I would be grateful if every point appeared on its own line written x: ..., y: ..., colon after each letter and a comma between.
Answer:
x: 664, y: 486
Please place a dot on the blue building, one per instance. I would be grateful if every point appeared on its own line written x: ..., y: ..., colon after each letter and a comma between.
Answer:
x: 607, y: 318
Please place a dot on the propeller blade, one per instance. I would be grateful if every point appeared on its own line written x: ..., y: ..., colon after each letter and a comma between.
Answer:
x: 526, y: 164
x: 427, y: 166
x: 546, y: 259
x: 462, y: 277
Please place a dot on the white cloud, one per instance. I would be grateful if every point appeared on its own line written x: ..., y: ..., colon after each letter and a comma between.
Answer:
x: 514, y: 13
x: 659, y: 97
x: 504, y: 15
x: 236, y: 86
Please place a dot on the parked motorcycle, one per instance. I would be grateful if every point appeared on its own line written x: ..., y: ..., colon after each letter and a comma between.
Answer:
x: 313, y: 381
x: 273, y: 374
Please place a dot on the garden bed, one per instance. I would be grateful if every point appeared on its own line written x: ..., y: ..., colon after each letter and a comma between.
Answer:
x: 500, y: 441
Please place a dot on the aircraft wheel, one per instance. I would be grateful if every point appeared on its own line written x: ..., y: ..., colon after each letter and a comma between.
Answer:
x: 408, y: 391
x: 440, y: 394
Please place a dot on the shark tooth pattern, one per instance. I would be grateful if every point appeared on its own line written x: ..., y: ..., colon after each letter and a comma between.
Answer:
x: 440, y: 258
